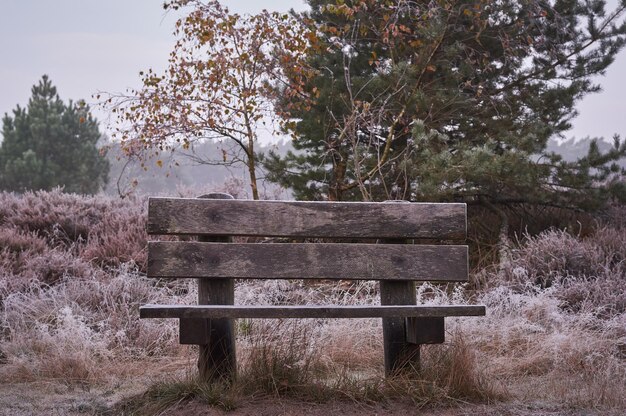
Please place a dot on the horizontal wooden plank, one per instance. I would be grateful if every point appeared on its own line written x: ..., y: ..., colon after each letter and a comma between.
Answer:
x: 360, y: 311
x: 307, y: 219
x: 446, y: 263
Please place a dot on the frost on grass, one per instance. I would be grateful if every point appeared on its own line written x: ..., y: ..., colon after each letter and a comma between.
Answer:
x: 72, y: 279
x: 70, y: 287
x: 74, y: 329
x: 557, y: 319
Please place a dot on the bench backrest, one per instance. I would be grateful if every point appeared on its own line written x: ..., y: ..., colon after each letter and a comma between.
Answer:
x: 391, y: 222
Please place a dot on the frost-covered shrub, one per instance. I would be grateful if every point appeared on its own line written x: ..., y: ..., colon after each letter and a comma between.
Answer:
x: 85, y: 322
x: 41, y: 267
x: 587, y: 274
x: 71, y: 285
x: 551, y: 257
x: 119, y: 237
x: 61, y: 218
x: 555, y: 353
x: 98, y: 228
x: 17, y: 241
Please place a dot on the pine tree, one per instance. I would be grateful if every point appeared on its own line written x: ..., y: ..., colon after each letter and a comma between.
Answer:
x: 451, y: 101
x: 51, y: 144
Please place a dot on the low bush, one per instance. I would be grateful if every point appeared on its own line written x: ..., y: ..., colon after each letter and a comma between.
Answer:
x: 587, y: 275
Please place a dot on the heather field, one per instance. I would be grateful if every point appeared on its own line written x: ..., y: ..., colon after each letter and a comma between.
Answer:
x: 72, y: 276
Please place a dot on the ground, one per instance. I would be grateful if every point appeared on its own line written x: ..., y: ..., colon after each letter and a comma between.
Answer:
x: 52, y: 398
x: 267, y: 407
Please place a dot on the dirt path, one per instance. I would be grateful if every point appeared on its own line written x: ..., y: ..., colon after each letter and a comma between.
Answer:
x: 50, y: 398
x: 272, y: 407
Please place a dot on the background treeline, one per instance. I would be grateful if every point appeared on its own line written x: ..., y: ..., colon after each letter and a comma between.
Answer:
x: 193, y: 173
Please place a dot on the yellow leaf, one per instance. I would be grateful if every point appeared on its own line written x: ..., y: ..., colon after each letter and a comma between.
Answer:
x: 159, y: 163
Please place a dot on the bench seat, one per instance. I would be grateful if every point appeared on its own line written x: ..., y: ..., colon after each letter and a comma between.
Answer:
x: 352, y: 311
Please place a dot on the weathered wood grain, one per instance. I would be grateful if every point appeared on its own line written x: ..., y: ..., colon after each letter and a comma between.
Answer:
x: 398, y: 354
x: 306, y: 219
x: 358, y: 311
x: 308, y: 261
x: 421, y: 330
x: 193, y: 331
x: 217, y: 358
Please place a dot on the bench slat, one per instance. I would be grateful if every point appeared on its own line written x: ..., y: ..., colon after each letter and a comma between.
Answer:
x: 307, y: 219
x: 446, y: 263
x: 365, y: 311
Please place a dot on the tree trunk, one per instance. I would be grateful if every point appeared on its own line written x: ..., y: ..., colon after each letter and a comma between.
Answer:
x: 251, y: 163
x: 252, y: 174
x: 504, y: 243
x: 335, y: 187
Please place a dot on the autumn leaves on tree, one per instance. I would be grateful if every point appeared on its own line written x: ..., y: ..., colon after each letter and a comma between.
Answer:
x: 219, y: 85
x: 439, y: 101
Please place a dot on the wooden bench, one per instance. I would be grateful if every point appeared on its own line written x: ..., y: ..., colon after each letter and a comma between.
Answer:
x: 216, y: 262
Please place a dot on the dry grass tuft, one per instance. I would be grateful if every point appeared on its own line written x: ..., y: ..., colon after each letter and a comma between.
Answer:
x: 165, y: 394
x: 278, y: 357
x: 290, y: 368
x: 291, y: 358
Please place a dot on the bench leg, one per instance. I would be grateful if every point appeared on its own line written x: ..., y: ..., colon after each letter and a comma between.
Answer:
x: 193, y: 331
x: 400, y: 355
x: 425, y: 330
x: 217, y: 358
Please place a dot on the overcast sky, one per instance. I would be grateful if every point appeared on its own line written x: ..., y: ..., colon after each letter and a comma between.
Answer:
x: 86, y: 46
